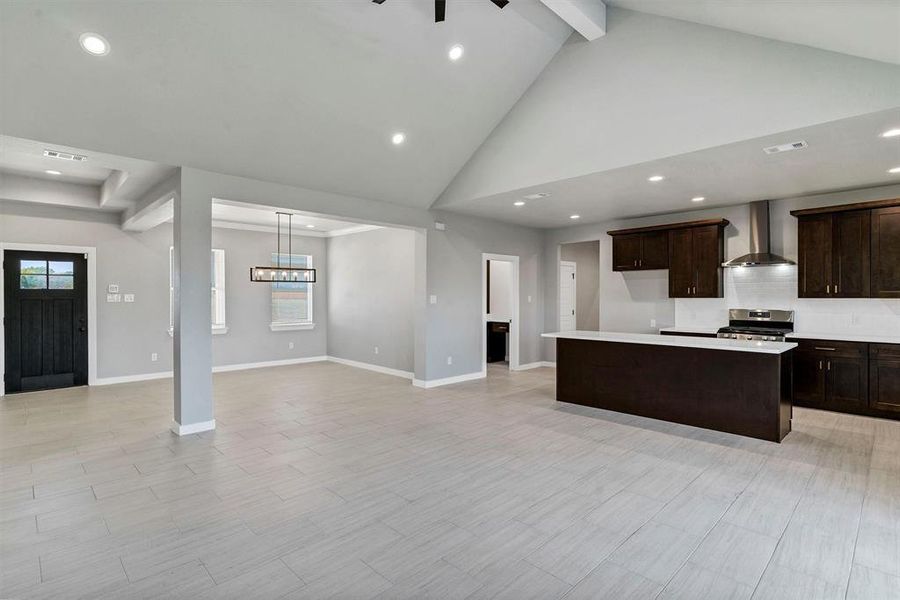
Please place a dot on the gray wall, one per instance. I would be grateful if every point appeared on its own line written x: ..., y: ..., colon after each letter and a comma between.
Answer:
x: 127, y: 334
x: 629, y: 301
x: 371, y: 289
x: 586, y: 256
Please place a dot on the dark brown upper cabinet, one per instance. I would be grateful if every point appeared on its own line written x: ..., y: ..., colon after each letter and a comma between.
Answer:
x: 849, y: 251
x: 833, y: 254
x: 886, y: 252
x: 641, y: 251
x: 692, y: 251
x: 695, y: 262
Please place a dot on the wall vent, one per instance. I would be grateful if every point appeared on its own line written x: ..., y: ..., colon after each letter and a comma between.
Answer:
x: 785, y: 147
x: 64, y: 155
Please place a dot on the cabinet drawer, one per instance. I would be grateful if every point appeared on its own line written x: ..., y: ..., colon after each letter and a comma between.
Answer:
x: 833, y: 348
x: 891, y: 351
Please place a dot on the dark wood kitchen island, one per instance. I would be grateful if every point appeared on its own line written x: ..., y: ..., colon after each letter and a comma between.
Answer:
x: 735, y: 386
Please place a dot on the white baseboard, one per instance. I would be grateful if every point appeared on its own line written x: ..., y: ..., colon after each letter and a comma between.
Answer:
x: 548, y: 363
x: 133, y: 378
x: 268, y: 363
x: 216, y: 369
x: 179, y: 429
x: 371, y: 367
x: 431, y: 383
x: 534, y: 365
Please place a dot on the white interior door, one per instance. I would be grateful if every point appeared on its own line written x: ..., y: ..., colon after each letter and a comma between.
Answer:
x: 567, y: 288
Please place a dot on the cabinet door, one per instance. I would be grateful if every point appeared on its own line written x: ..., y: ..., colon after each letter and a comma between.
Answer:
x: 809, y: 378
x: 655, y: 250
x: 851, y: 245
x: 708, y: 250
x: 814, y: 235
x: 886, y: 252
x: 626, y: 252
x: 847, y: 382
x: 681, y: 261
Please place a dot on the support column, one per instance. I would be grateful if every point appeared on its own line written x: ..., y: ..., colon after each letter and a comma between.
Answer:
x: 192, y: 337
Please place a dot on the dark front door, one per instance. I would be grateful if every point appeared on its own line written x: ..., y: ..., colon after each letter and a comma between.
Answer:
x: 45, y: 317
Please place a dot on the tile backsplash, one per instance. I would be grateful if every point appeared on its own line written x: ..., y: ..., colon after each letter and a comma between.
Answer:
x: 776, y: 287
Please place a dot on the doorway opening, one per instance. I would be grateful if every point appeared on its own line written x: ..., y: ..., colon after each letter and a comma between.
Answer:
x: 46, y: 321
x: 579, y: 286
x: 500, y: 311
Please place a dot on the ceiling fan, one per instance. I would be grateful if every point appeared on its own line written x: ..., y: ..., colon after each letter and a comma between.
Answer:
x: 440, y: 7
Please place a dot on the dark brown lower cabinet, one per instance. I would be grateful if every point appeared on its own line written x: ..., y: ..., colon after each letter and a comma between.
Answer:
x: 856, y: 378
x: 884, y: 378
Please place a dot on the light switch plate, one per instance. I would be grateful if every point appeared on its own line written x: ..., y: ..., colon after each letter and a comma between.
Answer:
x: 112, y: 288
x: 432, y: 299
x: 113, y: 298
x: 129, y: 297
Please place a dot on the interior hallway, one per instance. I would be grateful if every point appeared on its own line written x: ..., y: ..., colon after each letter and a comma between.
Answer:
x: 326, y: 481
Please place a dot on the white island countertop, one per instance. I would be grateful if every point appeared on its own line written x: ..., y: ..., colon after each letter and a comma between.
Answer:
x: 674, y: 340
x: 846, y: 337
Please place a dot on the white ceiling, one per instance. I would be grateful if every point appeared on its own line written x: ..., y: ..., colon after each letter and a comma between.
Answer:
x: 841, y: 155
x: 866, y: 28
x: 23, y: 176
x: 304, y: 93
x: 239, y: 215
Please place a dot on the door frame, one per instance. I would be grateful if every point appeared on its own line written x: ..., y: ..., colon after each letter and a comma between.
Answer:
x: 90, y: 253
x: 559, y: 293
x: 514, y: 299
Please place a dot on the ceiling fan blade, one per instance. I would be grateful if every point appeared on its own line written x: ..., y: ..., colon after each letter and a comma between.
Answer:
x: 500, y: 3
x: 440, y: 10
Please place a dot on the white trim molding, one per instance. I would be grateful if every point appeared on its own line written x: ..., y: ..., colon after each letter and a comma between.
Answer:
x: 432, y: 383
x: 179, y: 429
x: 90, y: 253
x: 371, y: 367
x: 216, y: 369
x: 275, y: 326
x: 534, y: 365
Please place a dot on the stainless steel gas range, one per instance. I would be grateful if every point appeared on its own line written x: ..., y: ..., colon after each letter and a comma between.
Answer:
x: 758, y: 324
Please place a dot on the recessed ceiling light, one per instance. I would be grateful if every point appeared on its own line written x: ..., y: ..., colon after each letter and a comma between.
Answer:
x: 519, y: 203
x: 94, y: 43
x: 574, y: 216
x: 655, y: 178
x: 891, y: 133
x: 398, y: 138
x: 310, y: 226
x: 894, y: 170
x: 52, y: 172
x: 456, y: 52
x: 698, y: 199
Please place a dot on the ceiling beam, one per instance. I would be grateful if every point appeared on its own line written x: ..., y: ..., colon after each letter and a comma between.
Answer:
x: 154, y: 207
x: 22, y: 188
x: 587, y: 17
x: 111, y: 185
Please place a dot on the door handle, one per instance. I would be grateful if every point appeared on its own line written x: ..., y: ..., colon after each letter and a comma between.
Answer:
x: 828, y: 289
x: 820, y: 365
x: 825, y: 348
x: 828, y: 364
x: 82, y: 329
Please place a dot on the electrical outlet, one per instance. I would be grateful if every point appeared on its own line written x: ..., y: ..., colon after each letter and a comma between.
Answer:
x: 432, y: 299
x: 154, y: 357
x: 529, y: 299
x: 449, y: 360
x: 376, y: 349
x: 290, y: 345
x: 652, y: 322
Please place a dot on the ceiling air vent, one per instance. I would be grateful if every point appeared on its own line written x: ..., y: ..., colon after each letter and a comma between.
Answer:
x: 64, y: 155
x: 785, y: 147
x: 537, y: 196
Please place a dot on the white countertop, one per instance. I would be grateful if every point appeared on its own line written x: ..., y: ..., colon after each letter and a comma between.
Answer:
x: 845, y: 337
x: 672, y: 340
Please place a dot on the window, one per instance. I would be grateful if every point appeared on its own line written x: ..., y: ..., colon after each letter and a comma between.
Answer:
x: 217, y: 291
x: 43, y: 275
x: 292, y: 301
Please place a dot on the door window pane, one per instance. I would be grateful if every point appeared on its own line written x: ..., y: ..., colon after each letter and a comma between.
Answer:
x: 33, y: 282
x: 62, y: 282
x: 61, y: 268
x: 32, y: 267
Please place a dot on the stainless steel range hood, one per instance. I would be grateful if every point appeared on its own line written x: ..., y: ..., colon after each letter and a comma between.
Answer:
x: 760, y: 254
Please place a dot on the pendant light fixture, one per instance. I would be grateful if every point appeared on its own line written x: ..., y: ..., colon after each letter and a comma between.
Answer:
x: 279, y: 273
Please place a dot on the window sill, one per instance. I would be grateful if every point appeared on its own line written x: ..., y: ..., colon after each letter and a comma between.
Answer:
x: 215, y: 331
x: 291, y: 326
